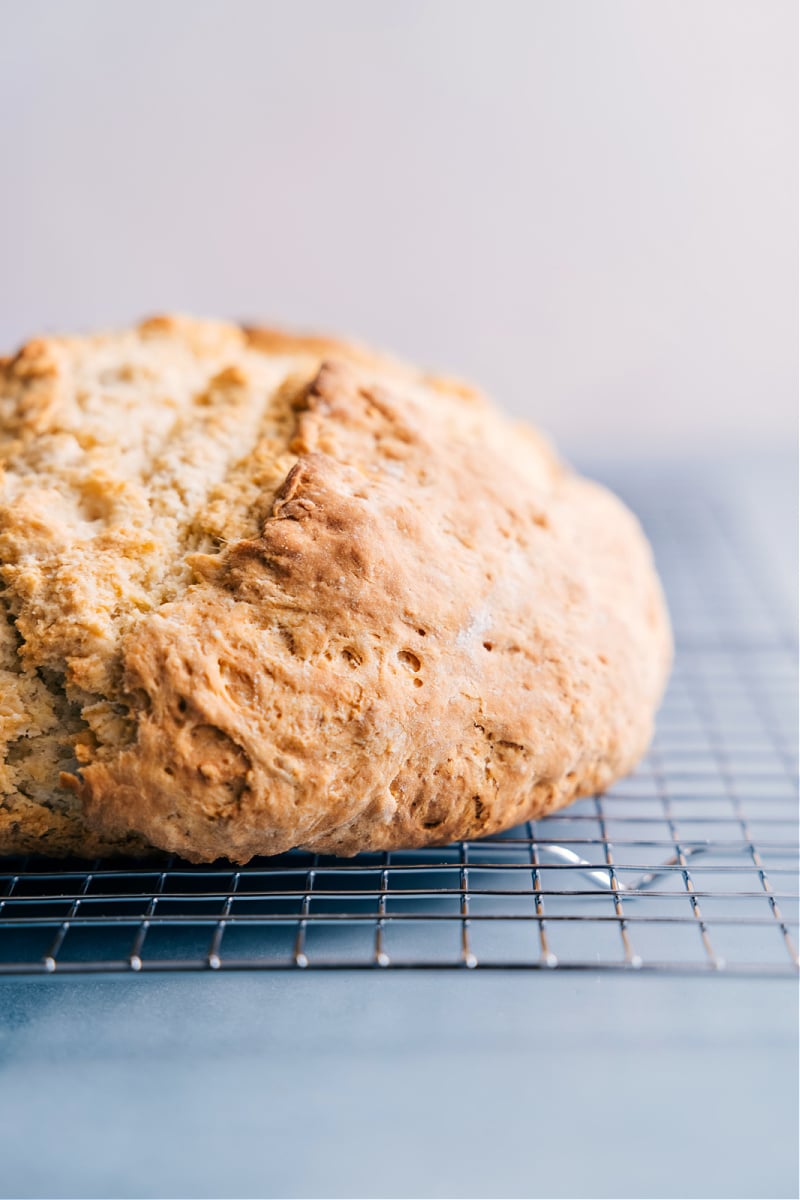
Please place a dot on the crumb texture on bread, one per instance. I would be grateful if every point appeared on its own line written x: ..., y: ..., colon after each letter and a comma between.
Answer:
x: 261, y: 591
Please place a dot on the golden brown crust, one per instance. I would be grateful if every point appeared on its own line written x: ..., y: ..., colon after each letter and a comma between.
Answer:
x: 271, y: 340
x: 336, y: 604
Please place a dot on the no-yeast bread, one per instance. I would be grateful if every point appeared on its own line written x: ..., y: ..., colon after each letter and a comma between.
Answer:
x: 262, y: 591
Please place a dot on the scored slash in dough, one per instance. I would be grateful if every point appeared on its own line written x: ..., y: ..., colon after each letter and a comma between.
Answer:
x: 262, y: 591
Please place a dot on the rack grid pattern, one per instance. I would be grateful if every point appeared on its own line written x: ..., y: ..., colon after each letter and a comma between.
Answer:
x: 691, y: 864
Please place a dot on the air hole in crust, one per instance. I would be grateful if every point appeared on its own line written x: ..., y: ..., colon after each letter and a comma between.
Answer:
x: 351, y: 658
x: 488, y: 646
x: 287, y: 637
x: 182, y: 705
x: 409, y: 660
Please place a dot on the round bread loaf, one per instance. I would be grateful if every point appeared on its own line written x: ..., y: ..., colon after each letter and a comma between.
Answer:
x: 263, y: 591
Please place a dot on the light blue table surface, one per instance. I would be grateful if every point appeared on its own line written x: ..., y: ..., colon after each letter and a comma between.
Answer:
x: 413, y: 1084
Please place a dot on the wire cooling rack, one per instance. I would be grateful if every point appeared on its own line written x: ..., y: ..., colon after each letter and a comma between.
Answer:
x: 690, y: 864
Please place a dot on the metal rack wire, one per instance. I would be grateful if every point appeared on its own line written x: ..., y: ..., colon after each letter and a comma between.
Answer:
x: 690, y: 864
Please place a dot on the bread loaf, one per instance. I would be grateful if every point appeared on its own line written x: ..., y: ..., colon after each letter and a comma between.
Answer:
x: 263, y: 591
